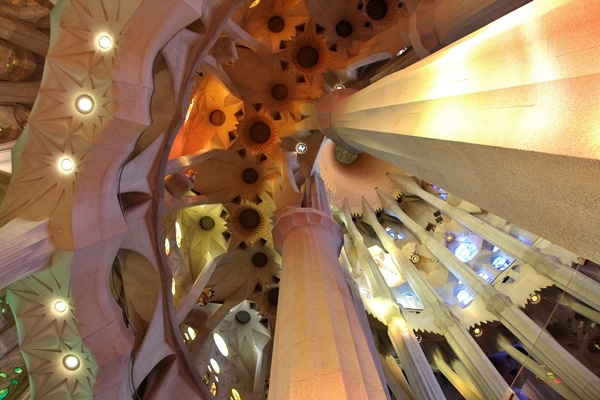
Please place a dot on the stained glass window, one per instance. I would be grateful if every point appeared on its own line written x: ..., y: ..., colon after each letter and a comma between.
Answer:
x: 466, y: 251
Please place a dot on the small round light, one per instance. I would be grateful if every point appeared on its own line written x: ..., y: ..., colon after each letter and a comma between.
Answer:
x: 301, y: 148
x: 535, y: 298
x: 84, y: 104
x: 415, y: 258
x: 215, y: 365
x: 221, y: 345
x: 105, y: 42
x: 60, y: 306
x: 477, y: 331
x: 66, y: 164
x: 339, y: 86
x: 71, y: 362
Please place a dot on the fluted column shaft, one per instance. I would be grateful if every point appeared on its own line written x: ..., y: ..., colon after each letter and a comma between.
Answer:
x: 489, y: 116
x: 535, y: 339
x: 320, y: 351
x: 576, y: 284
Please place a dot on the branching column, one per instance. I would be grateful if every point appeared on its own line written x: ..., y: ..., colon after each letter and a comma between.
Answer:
x: 575, y: 283
x: 320, y: 351
x: 535, y: 339
x: 483, y: 374
x: 418, y: 371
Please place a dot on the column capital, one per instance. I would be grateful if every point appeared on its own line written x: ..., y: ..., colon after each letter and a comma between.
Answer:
x: 305, y: 217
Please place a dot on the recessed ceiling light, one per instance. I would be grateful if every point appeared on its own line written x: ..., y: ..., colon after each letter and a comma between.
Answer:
x: 84, y: 104
x: 71, y: 362
x: 105, y: 42
x: 60, y: 306
x: 66, y: 164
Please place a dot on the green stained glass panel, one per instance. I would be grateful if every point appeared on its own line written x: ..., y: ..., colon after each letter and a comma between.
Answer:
x: 3, y: 375
x: 14, y: 382
x: 3, y: 393
x: 18, y: 370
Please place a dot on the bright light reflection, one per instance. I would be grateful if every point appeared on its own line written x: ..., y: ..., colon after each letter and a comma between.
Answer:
x: 235, y: 394
x: 221, y: 345
x: 215, y: 365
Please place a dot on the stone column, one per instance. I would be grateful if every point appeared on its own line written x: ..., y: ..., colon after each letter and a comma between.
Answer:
x: 422, y: 381
x: 575, y: 283
x: 482, y: 373
x: 320, y: 351
x: 535, y: 339
x: 490, y: 116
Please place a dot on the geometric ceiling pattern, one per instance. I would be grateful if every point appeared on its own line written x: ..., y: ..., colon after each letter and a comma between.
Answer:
x: 48, y: 333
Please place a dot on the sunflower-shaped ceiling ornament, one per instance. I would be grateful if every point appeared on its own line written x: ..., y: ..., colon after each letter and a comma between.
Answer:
x: 382, y: 14
x: 211, y: 119
x: 273, y: 21
x: 258, y: 133
x: 203, y: 235
x: 266, y: 80
x: 308, y: 54
x: 266, y: 299
x: 344, y: 25
x: 349, y: 176
x: 245, y: 334
x: 257, y: 266
x: 246, y: 176
x: 249, y: 222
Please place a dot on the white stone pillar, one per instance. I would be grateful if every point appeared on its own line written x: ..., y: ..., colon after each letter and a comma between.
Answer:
x: 422, y: 381
x: 320, y: 351
x: 483, y: 374
x: 493, y: 115
x: 575, y: 283
x: 535, y: 339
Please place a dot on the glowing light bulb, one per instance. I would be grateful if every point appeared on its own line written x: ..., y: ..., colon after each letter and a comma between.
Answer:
x: 71, y: 362
x: 105, y: 42
x: 60, y: 306
x: 66, y: 164
x: 84, y: 104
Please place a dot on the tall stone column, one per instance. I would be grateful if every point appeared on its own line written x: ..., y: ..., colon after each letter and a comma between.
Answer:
x: 320, y: 351
x: 535, y: 339
x: 491, y: 116
x: 479, y: 369
x: 414, y: 363
x: 575, y: 283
